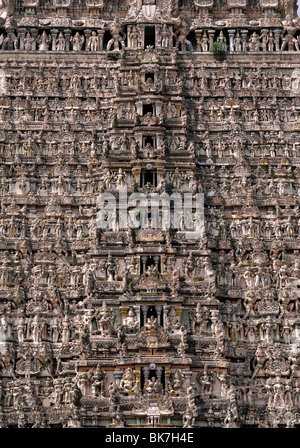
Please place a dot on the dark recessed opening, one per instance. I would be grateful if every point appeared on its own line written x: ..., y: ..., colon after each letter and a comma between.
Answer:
x: 152, y: 374
x: 106, y: 39
x: 149, y: 76
x: 151, y: 312
x: 147, y: 108
x: 192, y: 38
x: 149, y: 36
x: 150, y: 261
x: 150, y: 177
x: 149, y: 141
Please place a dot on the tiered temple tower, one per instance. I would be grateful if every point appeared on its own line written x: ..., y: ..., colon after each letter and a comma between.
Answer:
x: 186, y: 325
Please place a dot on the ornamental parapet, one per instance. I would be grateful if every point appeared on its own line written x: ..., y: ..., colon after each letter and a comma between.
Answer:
x: 68, y: 39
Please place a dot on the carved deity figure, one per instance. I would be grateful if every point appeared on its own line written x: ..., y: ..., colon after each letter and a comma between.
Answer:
x: 135, y: 37
x: 93, y: 42
x: 104, y: 320
x: 131, y: 321
x: 44, y: 41
x: 254, y: 44
x: 182, y: 40
x: 128, y: 381
x: 116, y: 31
x: 166, y: 35
x: 6, y: 7
x: 199, y: 317
x: 77, y: 41
x: 152, y: 386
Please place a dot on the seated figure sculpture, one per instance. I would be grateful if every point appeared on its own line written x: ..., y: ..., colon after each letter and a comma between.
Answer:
x: 128, y: 382
x: 131, y: 322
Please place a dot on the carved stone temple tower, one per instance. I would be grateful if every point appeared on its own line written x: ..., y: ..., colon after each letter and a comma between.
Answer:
x: 147, y: 326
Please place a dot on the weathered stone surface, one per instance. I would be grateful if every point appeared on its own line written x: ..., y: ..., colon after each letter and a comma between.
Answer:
x: 164, y: 97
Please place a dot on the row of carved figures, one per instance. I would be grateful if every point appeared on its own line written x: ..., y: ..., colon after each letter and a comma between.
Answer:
x: 106, y: 118
x: 237, y: 147
x: 61, y: 181
x: 265, y: 320
x: 215, y: 112
x: 58, y: 80
x: 78, y: 227
x: 91, y: 40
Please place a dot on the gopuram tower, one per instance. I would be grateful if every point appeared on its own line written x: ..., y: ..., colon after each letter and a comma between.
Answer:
x: 116, y: 314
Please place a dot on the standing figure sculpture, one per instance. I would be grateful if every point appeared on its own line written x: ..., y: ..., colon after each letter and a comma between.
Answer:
x: 116, y: 31
x: 182, y: 34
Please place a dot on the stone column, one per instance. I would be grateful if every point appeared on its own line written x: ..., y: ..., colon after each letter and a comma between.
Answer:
x: 160, y: 174
x: 242, y: 332
x: 117, y: 376
x: 87, y: 34
x: 158, y: 107
x: 156, y: 260
x: 198, y: 34
x: 54, y: 33
x: 157, y: 31
x: 165, y: 312
x: 154, y: 219
x: 231, y: 39
x: 277, y: 34
x: 67, y: 35
x: 36, y: 385
x: 139, y: 107
x: 179, y: 310
x: 188, y: 376
x: 211, y: 34
x: 178, y: 107
x: 146, y: 372
x: 244, y: 34
x: 141, y: 41
x: 144, y: 311
x: 137, y: 310
x: 137, y: 372
x: 159, y: 371
x: 22, y: 32
x: 124, y: 311
x: 34, y: 34
x: 158, y: 309
x: 264, y: 34
x: 142, y: 29
x: 167, y: 374
x: 101, y: 39
x: 144, y: 261
x: 136, y: 172
x: 128, y: 34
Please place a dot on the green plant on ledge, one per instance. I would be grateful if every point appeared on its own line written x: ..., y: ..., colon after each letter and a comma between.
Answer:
x: 113, y: 55
x: 191, y: 56
x: 219, y: 50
